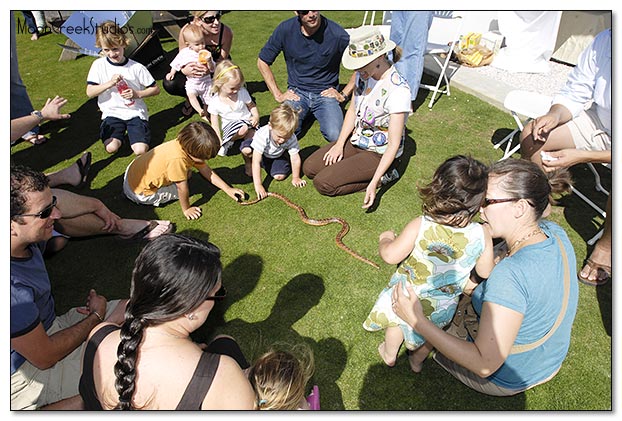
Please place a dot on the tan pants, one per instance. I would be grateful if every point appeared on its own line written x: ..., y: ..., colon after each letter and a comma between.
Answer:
x: 32, y: 388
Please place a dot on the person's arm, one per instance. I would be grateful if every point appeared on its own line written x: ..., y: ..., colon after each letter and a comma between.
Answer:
x: 72, y: 205
x: 256, y: 167
x: 147, y: 92
x: 252, y: 107
x: 296, y: 165
x: 565, y: 158
x: 211, y: 176
x: 95, y: 90
x: 394, y: 249
x: 183, y: 191
x: 215, y: 122
x: 44, y: 351
x: 396, y: 129
x: 344, y: 94
x: 268, y: 77
x: 498, y: 328
x: 50, y: 111
x: 542, y: 126
x: 227, y: 42
x: 486, y: 261
x: 335, y: 153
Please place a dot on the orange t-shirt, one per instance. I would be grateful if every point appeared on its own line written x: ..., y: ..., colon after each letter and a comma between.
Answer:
x: 161, y: 166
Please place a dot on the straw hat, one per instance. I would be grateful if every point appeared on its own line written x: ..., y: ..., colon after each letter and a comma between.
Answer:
x: 366, y: 43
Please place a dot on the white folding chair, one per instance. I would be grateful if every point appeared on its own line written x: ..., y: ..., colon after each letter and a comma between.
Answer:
x: 385, y: 27
x: 524, y: 106
x: 443, y: 34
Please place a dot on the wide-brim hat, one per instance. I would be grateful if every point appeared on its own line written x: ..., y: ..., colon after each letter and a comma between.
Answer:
x: 366, y: 43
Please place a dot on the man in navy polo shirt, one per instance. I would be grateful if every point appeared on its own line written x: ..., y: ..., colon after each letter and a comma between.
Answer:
x: 312, y: 47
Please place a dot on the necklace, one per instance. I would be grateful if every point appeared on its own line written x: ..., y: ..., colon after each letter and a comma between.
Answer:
x: 528, y: 236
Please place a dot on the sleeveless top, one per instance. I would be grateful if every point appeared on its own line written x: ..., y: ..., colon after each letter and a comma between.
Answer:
x: 215, y: 49
x: 192, y: 398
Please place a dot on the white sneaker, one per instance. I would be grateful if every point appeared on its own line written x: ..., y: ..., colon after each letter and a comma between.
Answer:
x: 224, y: 149
x: 389, y: 176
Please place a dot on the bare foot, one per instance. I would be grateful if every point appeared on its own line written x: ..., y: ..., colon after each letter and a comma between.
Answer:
x: 416, y: 365
x: 134, y: 229
x: 597, y: 269
x: 382, y: 351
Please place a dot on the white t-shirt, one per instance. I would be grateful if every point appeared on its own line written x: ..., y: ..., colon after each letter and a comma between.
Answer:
x: 262, y: 142
x: 110, y: 101
x: 239, y: 111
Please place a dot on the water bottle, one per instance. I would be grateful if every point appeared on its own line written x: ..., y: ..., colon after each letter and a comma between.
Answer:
x: 122, y: 86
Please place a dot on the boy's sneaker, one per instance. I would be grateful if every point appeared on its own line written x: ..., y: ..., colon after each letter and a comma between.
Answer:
x: 224, y: 149
x: 389, y: 176
x: 314, y: 399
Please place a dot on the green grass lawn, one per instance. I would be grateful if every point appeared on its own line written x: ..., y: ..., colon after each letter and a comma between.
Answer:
x: 288, y: 281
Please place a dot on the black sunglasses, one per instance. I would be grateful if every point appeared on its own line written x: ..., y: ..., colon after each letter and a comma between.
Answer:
x: 45, y: 213
x: 210, y: 19
x: 220, y: 294
x: 488, y: 202
x: 302, y: 12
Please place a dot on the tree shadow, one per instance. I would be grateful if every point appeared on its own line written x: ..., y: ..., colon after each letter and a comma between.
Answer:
x: 305, y: 290
x: 401, y: 164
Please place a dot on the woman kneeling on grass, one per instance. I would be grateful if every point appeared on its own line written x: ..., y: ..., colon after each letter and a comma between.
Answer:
x: 525, y: 313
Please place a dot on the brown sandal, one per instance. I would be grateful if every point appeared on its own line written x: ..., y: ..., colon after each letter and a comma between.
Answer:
x: 603, y: 273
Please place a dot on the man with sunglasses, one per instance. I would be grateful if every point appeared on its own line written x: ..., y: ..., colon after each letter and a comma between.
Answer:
x: 45, y: 349
x: 312, y: 47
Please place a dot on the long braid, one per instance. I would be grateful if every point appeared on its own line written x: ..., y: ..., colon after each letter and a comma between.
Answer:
x: 127, y: 353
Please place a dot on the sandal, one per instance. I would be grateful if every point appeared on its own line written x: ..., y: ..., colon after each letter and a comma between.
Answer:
x: 143, y: 234
x: 187, y: 109
x: 603, y: 273
x: 84, y: 168
x: 35, y: 139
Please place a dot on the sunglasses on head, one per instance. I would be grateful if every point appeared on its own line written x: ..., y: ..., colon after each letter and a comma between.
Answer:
x: 45, y: 213
x: 211, y: 19
x: 488, y: 202
x: 220, y: 294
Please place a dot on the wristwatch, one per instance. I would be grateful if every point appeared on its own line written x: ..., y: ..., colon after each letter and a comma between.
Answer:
x: 37, y: 114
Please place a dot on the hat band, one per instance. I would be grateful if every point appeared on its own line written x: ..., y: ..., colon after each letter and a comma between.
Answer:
x: 368, y: 47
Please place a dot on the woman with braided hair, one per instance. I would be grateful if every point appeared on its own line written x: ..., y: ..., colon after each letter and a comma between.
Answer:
x: 150, y: 362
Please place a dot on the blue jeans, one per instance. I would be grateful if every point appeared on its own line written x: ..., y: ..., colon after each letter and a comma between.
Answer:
x: 326, y: 111
x: 409, y: 30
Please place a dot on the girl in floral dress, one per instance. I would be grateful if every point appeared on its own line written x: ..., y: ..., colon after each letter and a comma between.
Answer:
x: 436, y: 253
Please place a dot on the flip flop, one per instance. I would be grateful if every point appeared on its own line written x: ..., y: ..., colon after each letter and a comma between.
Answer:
x: 35, y: 139
x: 143, y: 234
x: 84, y: 168
x: 599, y: 270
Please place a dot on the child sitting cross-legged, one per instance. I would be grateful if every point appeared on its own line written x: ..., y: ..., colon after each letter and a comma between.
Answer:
x: 161, y: 175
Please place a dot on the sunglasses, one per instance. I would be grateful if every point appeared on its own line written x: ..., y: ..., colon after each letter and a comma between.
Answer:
x: 45, y: 213
x: 210, y: 19
x: 220, y: 295
x: 303, y: 12
x: 488, y: 202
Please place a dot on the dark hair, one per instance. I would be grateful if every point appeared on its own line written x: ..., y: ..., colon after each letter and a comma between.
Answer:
x: 172, y: 276
x: 24, y: 180
x: 199, y: 140
x: 524, y: 179
x: 456, y: 192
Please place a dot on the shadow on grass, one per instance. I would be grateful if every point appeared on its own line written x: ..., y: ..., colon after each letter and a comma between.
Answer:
x: 67, y: 138
x: 305, y: 290
x: 398, y: 388
x: 587, y: 222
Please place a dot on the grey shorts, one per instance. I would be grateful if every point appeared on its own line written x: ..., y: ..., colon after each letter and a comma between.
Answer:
x: 163, y: 195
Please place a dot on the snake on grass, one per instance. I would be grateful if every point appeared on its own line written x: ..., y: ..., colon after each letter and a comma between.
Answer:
x: 345, y: 227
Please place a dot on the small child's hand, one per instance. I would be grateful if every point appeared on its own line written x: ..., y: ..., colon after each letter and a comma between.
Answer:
x: 236, y: 194
x: 193, y: 212
x: 170, y: 75
x: 254, y: 121
x: 298, y: 182
x: 261, y: 192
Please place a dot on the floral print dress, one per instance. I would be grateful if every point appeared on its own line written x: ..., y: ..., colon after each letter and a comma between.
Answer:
x: 438, y: 269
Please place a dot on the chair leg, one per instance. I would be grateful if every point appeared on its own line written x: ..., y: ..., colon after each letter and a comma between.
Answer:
x: 595, y: 238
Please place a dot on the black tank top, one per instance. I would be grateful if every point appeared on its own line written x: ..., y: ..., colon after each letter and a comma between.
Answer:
x: 193, y: 396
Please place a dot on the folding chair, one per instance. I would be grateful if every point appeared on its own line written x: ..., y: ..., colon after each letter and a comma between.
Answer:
x: 443, y: 34
x: 522, y: 105
x: 599, y: 187
x: 384, y: 27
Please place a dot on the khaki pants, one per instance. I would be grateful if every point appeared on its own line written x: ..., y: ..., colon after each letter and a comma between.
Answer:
x: 32, y: 388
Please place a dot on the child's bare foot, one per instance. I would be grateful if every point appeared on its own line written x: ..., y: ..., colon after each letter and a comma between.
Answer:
x: 382, y: 351
x: 416, y: 359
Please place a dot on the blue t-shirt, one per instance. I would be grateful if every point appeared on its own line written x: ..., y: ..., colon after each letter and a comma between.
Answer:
x: 31, y: 297
x: 531, y: 282
x: 312, y: 62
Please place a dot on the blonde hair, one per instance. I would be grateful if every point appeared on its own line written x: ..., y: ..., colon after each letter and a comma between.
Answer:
x: 280, y: 376
x: 224, y: 72
x: 284, y: 119
x: 199, y: 140
x: 110, y: 34
x: 193, y: 33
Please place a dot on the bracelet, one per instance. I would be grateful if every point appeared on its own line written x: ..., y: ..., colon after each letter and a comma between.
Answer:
x: 345, y: 97
x: 101, y: 319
